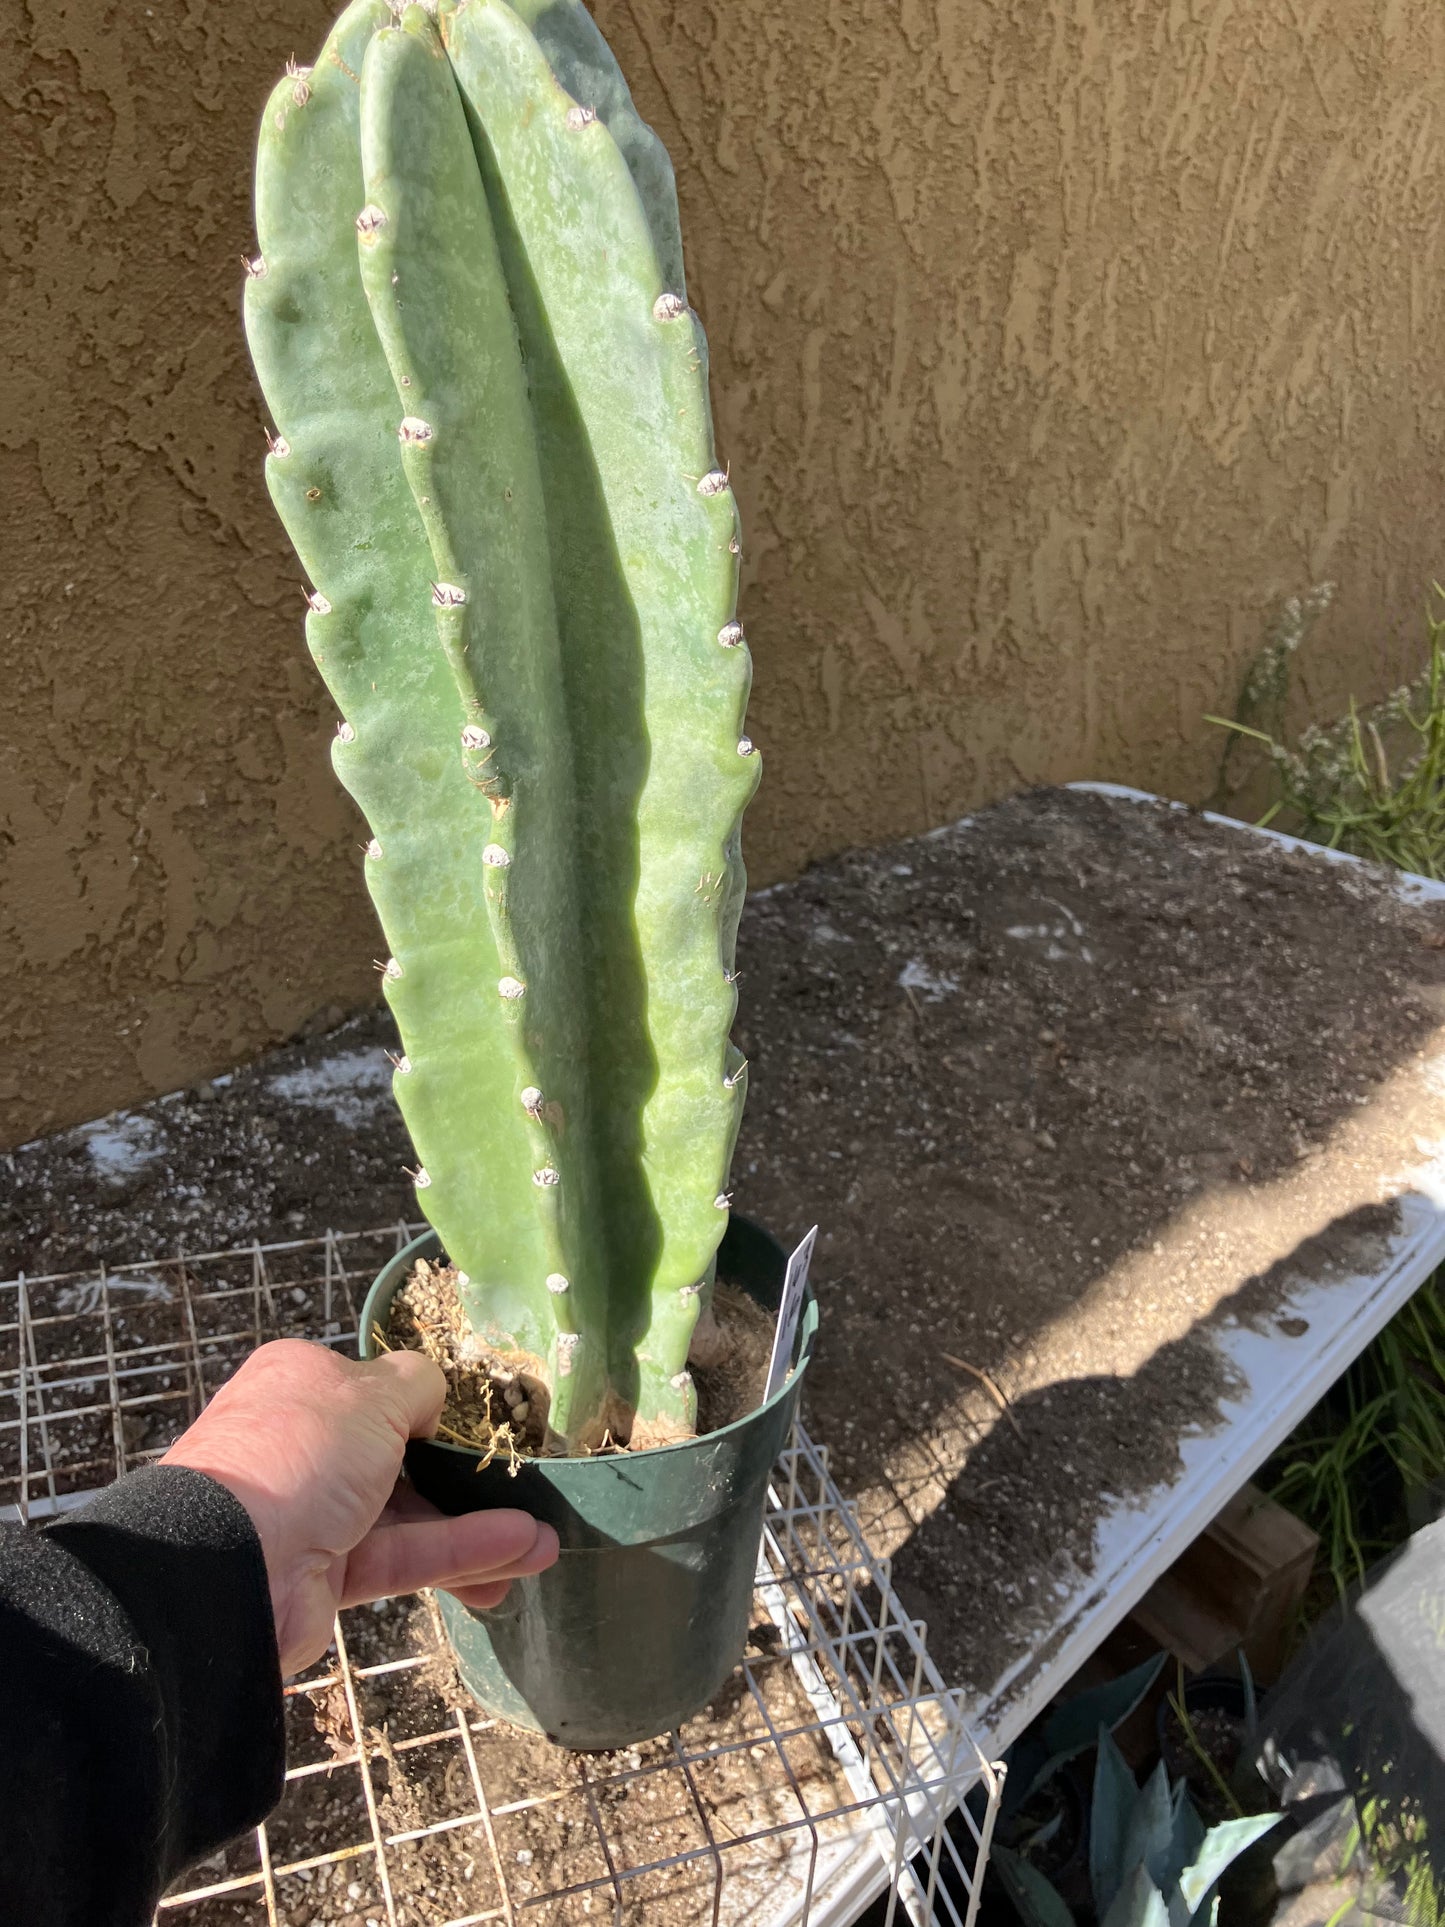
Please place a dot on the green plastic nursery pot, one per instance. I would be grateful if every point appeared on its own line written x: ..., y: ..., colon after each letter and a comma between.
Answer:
x: 645, y: 1613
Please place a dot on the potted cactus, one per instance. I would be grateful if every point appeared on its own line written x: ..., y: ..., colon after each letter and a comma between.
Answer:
x: 493, y: 452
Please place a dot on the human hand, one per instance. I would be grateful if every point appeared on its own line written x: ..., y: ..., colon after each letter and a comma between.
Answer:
x: 312, y: 1444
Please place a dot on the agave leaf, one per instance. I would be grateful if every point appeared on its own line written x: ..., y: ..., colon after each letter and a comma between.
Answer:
x: 1251, y: 1697
x: 1222, y: 1846
x: 1115, y: 1798
x: 1138, y: 1903
x: 1149, y: 1837
x: 1071, y: 1729
x: 1033, y: 1894
x: 1186, y: 1838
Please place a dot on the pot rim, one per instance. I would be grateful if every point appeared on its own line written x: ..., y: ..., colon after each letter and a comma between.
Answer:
x: 802, y: 1352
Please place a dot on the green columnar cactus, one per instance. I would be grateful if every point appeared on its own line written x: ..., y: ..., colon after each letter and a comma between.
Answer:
x: 494, y: 455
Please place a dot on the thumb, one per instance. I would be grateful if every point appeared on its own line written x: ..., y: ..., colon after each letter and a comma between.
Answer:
x: 407, y: 1388
x: 476, y: 1546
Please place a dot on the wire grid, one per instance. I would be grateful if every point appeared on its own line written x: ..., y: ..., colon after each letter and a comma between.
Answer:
x: 833, y: 1762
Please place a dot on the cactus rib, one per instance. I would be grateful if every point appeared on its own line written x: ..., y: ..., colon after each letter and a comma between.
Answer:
x: 438, y: 300
x: 341, y: 491
x: 572, y: 43
x: 577, y: 245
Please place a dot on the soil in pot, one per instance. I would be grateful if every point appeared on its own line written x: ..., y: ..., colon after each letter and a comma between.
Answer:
x: 495, y: 1402
x: 1218, y: 1731
x: 1051, y: 1828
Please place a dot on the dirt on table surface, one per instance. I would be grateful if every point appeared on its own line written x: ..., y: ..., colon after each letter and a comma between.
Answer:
x: 1069, y: 1088
x: 304, y: 1140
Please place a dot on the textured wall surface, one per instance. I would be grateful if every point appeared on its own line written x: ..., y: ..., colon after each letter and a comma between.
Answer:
x: 1056, y: 343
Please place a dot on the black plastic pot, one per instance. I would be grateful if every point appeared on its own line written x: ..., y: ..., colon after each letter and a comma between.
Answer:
x: 1061, y: 1803
x: 645, y: 1613
x: 1216, y: 1703
x: 1218, y: 1693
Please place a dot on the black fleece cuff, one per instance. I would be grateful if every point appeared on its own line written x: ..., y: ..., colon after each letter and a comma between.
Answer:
x: 142, y: 1724
x: 181, y: 1554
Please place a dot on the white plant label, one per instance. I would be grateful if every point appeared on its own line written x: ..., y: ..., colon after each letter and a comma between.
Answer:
x: 794, y: 1285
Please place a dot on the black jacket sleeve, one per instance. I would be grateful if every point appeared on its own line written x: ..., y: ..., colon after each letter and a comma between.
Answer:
x: 140, y: 1698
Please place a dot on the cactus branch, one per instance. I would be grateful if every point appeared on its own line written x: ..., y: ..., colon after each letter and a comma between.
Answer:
x: 494, y: 453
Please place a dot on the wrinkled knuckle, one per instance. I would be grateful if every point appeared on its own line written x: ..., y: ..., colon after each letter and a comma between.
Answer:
x: 291, y: 1351
x: 276, y: 1356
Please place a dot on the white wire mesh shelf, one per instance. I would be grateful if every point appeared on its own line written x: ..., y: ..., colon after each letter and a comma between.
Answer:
x: 833, y: 1766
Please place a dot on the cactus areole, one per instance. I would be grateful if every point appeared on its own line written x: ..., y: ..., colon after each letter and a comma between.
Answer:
x: 493, y: 452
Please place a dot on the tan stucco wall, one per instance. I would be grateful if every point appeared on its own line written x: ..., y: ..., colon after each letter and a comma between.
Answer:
x: 1056, y: 342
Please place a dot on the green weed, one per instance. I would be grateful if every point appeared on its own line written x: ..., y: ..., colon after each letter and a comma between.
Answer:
x: 1373, y: 783
x: 1360, y: 1467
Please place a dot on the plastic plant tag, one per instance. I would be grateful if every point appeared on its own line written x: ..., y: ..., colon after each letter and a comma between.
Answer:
x: 794, y: 1285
